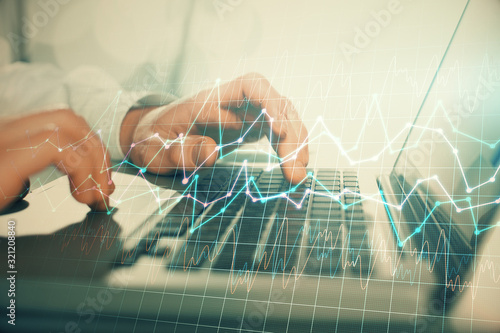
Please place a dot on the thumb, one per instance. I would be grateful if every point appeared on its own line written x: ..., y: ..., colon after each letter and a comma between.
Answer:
x: 193, y: 151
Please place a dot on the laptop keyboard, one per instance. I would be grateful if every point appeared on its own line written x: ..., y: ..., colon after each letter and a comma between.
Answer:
x: 257, y: 228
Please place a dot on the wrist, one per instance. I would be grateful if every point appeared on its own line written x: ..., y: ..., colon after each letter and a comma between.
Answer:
x: 142, y: 107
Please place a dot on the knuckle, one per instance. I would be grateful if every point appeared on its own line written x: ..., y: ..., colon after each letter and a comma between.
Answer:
x: 45, y: 134
x: 94, y: 141
x: 254, y: 75
x: 257, y: 78
x: 85, y: 149
x: 65, y: 115
x: 68, y: 118
x: 292, y: 110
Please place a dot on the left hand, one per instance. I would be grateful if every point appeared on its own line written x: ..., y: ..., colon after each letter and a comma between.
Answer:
x: 194, y: 125
x: 29, y: 144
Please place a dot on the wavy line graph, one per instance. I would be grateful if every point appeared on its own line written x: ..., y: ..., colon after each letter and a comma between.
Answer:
x: 329, y: 246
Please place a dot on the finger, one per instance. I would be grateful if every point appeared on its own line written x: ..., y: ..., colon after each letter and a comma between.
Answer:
x: 19, y: 162
x: 256, y: 90
x: 88, y: 165
x: 51, y: 138
x: 101, y: 169
x: 26, y: 189
x: 223, y: 126
x: 80, y: 165
x: 293, y: 167
x: 187, y: 154
x: 101, y: 175
x: 195, y: 111
x: 82, y: 186
x: 47, y: 121
x: 293, y: 150
x: 199, y: 151
x: 13, y: 200
x: 247, y: 128
x: 215, y: 117
x: 301, y: 132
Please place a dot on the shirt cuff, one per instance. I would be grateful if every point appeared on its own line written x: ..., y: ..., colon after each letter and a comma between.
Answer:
x: 104, y: 112
x: 109, y: 127
x: 97, y: 97
x: 141, y: 100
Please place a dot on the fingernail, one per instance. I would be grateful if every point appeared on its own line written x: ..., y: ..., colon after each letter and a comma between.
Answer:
x: 26, y: 189
x: 111, y: 187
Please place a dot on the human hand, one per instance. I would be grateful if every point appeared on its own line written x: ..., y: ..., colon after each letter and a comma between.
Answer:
x: 31, y: 143
x: 185, y: 134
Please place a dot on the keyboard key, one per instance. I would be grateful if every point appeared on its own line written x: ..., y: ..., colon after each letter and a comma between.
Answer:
x: 349, y: 184
x: 326, y: 214
x: 332, y: 205
x: 247, y: 232
x: 328, y: 174
x: 319, y: 199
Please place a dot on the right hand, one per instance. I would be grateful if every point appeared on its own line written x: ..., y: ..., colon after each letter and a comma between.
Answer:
x: 61, y: 138
x: 203, y: 114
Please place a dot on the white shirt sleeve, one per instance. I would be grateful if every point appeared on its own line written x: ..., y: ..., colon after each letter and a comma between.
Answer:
x: 90, y: 92
x: 100, y: 100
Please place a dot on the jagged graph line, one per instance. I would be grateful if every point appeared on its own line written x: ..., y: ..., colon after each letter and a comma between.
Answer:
x: 318, y: 131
